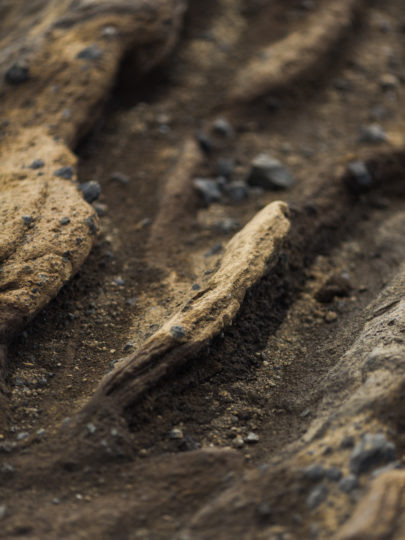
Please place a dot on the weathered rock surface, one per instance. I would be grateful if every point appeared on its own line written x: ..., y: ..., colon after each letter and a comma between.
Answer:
x: 56, y: 69
x: 285, y: 343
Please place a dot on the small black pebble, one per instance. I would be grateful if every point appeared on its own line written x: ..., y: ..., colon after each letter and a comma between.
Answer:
x: 65, y: 172
x: 37, y: 164
x: 27, y: 220
x: 205, y: 142
x: 90, y: 53
x: 358, y: 178
x: 177, y: 332
x: 91, y: 191
x: 91, y: 224
x: 17, y: 74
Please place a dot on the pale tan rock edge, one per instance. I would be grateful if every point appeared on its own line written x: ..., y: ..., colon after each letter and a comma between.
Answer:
x: 248, y: 256
x: 43, y: 118
x: 297, y: 54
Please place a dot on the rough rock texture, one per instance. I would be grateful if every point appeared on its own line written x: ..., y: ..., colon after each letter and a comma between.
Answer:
x: 69, y: 53
x: 250, y: 254
x: 223, y: 370
x: 380, y: 514
x: 297, y: 55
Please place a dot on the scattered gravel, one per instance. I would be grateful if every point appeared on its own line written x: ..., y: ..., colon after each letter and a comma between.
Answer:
x: 177, y: 331
x: 315, y: 472
x: 91, y: 428
x: 176, y: 434
x: 208, y: 189
x: 348, y: 483
x: 205, y: 142
x: 91, y: 191
x: 334, y: 474
x: 373, y: 449
x: 217, y: 248
x: 120, y: 178
x: 27, y: 220
x: 18, y: 73
x: 269, y: 173
x: 91, y: 225
x: 225, y: 167
x: 236, y: 191
x: 337, y: 285
x: 372, y: 134
x: 221, y: 126
x: 252, y: 438
x: 65, y: 172
x: 358, y: 178
x: 238, y: 442
x: 389, y: 82
x: 317, y: 496
x: 36, y: 164
x: 100, y: 208
x: 331, y: 316
x: 93, y: 52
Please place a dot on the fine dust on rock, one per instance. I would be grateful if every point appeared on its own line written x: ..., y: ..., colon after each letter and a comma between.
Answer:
x: 131, y: 413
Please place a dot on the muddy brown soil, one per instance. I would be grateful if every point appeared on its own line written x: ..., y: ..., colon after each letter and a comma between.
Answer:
x: 222, y: 369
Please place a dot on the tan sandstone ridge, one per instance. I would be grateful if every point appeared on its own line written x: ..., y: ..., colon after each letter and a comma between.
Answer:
x: 57, y: 67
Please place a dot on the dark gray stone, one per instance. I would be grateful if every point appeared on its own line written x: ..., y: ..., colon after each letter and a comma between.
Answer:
x: 358, y: 178
x: 268, y: 173
x: 236, y: 191
x: 317, y: 496
x: 92, y: 52
x: 18, y: 73
x: 208, y: 189
x: 205, y: 142
x: 214, y: 250
x: 120, y: 178
x: 101, y: 209
x: 315, y: 472
x: 177, y: 331
x: 91, y: 225
x: 348, y: 483
x: 36, y: 164
x: 225, y: 167
x: 91, y: 190
x: 65, y: 221
x: 227, y: 225
x: 372, y: 450
x: 65, y: 172
x: 27, y: 220
x: 222, y: 127
x: 347, y: 442
x: 373, y: 133
x: 334, y: 474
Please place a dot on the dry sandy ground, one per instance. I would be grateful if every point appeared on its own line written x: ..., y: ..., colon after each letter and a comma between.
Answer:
x: 193, y: 359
